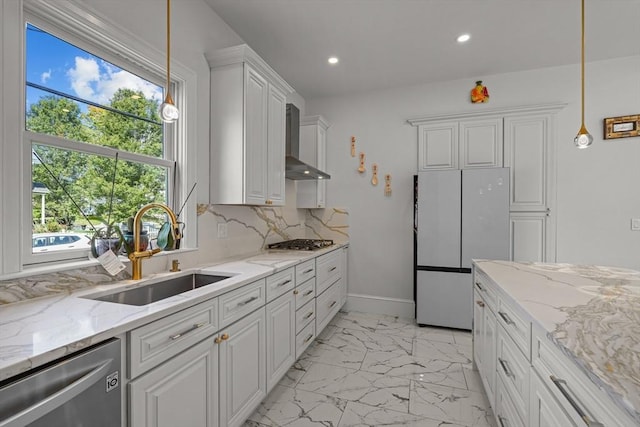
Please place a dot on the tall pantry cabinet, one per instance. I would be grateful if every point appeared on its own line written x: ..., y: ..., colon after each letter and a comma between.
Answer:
x: 247, y: 136
x: 520, y: 138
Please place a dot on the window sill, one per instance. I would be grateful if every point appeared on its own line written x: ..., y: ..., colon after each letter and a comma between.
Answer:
x: 73, y: 265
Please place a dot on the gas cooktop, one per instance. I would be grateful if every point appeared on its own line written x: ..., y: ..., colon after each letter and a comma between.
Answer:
x: 301, y: 244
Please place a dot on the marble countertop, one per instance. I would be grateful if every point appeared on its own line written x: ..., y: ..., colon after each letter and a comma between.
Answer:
x: 37, y: 331
x: 568, y: 300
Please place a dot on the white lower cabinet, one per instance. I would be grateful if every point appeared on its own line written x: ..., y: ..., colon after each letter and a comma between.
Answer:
x: 242, y: 368
x: 182, y: 392
x: 544, y: 410
x: 505, y: 411
x: 281, y: 337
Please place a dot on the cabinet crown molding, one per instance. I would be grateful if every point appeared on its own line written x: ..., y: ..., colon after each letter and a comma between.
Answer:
x: 315, y: 120
x: 506, y: 111
x: 241, y: 54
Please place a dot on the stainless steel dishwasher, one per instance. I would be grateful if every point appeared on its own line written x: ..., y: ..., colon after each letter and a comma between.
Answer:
x: 79, y: 390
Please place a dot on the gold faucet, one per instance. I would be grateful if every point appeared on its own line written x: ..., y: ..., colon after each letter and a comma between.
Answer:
x: 137, y: 255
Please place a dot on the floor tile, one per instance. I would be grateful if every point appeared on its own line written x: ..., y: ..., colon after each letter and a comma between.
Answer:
x: 434, y: 350
x: 286, y: 406
x: 357, y: 386
x: 295, y: 372
x: 360, y: 323
x: 450, y: 404
x: 375, y: 341
x: 399, y: 364
x: 338, y: 351
x: 462, y: 337
x: 359, y: 415
x: 327, y: 332
x: 474, y: 383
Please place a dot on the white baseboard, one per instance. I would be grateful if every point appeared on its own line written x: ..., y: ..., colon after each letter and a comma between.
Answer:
x: 380, y: 305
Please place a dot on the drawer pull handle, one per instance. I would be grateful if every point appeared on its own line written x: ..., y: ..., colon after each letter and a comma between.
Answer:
x: 479, y: 286
x: 506, y: 318
x: 306, y: 340
x: 505, y: 368
x: 245, y: 302
x: 480, y: 303
x: 224, y: 337
x: 332, y: 269
x: 308, y: 315
x: 309, y: 292
x: 503, y: 421
x: 283, y: 283
x: 563, y: 387
x: 333, y: 303
x: 193, y: 328
x: 296, y: 292
x: 307, y: 271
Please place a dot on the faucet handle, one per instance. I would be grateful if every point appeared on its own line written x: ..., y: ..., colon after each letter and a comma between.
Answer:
x: 174, y: 265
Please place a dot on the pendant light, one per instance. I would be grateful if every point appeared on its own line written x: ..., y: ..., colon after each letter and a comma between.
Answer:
x: 169, y: 113
x: 584, y: 138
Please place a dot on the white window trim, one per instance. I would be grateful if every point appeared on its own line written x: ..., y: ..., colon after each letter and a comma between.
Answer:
x: 73, y: 17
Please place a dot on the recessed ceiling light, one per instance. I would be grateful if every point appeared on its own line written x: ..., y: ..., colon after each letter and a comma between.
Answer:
x: 463, y: 38
x: 333, y: 60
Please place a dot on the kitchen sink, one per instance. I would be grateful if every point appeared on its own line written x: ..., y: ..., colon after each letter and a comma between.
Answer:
x: 157, y: 291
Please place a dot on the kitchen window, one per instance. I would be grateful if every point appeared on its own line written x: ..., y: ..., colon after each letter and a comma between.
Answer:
x: 80, y: 91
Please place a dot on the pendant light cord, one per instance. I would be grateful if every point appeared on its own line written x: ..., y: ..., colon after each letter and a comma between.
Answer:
x: 582, y: 65
x: 169, y: 46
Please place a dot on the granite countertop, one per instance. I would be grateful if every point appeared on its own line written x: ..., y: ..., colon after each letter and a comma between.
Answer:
x: 591, y: 313
x: 37, y: 331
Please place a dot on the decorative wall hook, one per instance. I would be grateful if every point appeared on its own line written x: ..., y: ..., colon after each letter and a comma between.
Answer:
x: 353, y: 146
x: 387, y: 185
x: 374, y: 178
x: 361, y: 169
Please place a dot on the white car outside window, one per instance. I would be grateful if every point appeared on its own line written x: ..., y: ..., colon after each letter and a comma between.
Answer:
x: 48, y: 242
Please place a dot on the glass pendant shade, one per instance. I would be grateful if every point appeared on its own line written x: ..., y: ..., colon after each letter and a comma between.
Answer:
x: 583, y: 139
x: 169, y: 113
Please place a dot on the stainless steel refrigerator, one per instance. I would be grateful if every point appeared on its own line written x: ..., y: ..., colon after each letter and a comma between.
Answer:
x: 459, y: 215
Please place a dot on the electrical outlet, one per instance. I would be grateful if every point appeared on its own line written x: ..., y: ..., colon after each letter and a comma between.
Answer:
x: 635, y: 224
x: 222, y: 230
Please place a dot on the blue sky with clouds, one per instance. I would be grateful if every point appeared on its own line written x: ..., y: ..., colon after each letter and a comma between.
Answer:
x: 59, y: 65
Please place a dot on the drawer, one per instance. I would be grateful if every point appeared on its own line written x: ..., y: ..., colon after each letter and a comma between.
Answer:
x: 578, y: 396
x: 305, y: 271
x: 153, y: 344
x: 305, y: 292
x: 237, y: 304
x: 513, y: 370
x: 486, y: 289
x: 328, y: 270
x: 304, y: 338
x: 516, y: 327
x: 279, y: 283
x: 505, y: 412
x: 305, y: 315
x: 327, y: 305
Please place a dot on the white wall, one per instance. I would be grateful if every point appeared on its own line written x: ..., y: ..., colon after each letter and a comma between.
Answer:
x: 597, y: 189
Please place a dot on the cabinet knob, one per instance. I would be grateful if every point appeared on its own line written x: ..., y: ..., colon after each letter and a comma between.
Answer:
x: 217, y: 340
x: 295, y: 292
x: 224, y: 337
x: 480, y: 303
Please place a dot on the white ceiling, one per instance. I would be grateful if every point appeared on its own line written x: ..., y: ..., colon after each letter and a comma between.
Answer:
x: 389, y: 43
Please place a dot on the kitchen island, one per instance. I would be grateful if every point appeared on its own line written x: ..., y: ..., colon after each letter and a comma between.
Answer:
x: 576, y: 334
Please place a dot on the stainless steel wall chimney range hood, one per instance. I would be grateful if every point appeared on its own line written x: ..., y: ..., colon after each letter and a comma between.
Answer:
x: 296, y: 169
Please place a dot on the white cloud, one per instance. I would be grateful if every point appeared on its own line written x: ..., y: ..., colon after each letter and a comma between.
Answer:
x: 44, y: 77
x: 98, y: 82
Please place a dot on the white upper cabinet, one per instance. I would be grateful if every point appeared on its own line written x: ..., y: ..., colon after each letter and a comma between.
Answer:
x: 247, y: 129
x: 461, y: 144
x: 313, y: 151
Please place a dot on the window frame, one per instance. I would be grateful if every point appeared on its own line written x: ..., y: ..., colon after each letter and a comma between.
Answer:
x: 76, y: 23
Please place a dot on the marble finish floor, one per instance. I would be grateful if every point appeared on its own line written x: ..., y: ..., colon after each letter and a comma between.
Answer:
x: 375, y: 370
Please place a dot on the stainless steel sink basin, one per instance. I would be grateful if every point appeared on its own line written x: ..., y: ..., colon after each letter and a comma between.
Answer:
x: 160, y: 290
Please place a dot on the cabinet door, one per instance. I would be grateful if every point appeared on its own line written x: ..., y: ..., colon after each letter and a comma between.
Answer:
x: 242, y: 368
x: 478, y: 331
x: 276, y: 146
x: 281, y: 337
x: 313, y: 139
x: 528, y: 241
x: 527, y: 153
x: 505, y: 412
x: 345, y: 277
x: 181, y: 392
x: 489, y: 339
x: 255, y: 156
x: 481, y: 143
x: 544, y: 409
x: 438, y: 146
